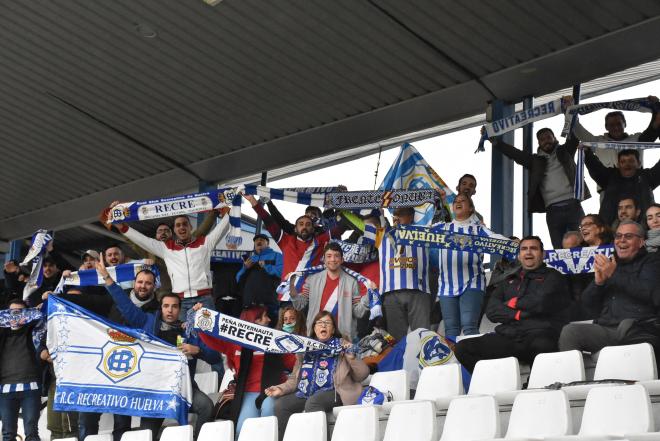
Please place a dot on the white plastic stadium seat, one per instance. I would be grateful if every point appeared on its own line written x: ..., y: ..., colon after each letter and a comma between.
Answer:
x: 492, y: 376
x: 259, y: 429
x: 440, y: 384
x: 414, y: 420
x: 616, y: 411
x: 137, y: 435
x: 102, y: 437
x: 207, y: 382
x: 472, y: 418
x: 202, y: 367
x: 217, y: 431
x: 629, y: 362
x: 395, y: 382
x: 540, y: 415
x: 356, y: 423
x: 562, y: 367
x: 306, y: 427
x: 177, y: 433
x: 72, y: 438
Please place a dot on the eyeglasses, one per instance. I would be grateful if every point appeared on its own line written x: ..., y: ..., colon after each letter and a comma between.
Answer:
x: 323, y: 323
x: 585, y: 225
x: 626, y: 236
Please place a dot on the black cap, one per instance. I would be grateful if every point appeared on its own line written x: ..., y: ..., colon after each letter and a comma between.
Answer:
x: 260, y: 236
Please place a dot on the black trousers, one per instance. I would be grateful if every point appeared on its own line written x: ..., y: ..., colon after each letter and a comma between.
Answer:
x: 487, y: 347
x: 562, y: 218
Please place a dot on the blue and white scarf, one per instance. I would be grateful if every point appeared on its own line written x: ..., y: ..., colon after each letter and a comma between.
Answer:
x: 40, y: 240
x: 317, y: 371
x: 520, y: 119
x: 635, y: 104
x: 120, y: 273
x: 418, y: 236
x: 578, y: 185
x: 576, y: 260
x: 375, y: 303
x: 212, y: 324
x: 357, y: 252
x: 13, y: 318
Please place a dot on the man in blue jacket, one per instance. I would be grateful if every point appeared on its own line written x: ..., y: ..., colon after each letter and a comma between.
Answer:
x: 165, y: 324
x: 260, y: 275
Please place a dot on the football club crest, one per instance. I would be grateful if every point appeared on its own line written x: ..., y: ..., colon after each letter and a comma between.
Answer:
x: 120, y: 358
x: 206, y: 321
x: 288, y: 343
x: 434, y: 351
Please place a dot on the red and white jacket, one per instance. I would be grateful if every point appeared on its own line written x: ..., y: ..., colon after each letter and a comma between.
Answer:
x: 189, y: 265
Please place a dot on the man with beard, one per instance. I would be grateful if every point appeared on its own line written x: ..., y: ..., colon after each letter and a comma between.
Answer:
x: 187, y: 258
x: 301, y: 250
x: 551, y: 180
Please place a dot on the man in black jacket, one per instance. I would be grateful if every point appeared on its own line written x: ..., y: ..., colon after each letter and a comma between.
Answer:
x: 20, y: 377
x: 628, y: 180
x: 551, y: 180
x: 629, y: 289
x: 528, y: 304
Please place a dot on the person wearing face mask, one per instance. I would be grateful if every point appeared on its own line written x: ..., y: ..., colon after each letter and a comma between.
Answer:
x: 291, y: 321
x: 20, y: 377
x: 254, y: 371
x: 320, y: 380
x: 528, y: 305
x: 653, y: 228
x: 551, y: 179
x: 462, y: 280
x: 618, y: 183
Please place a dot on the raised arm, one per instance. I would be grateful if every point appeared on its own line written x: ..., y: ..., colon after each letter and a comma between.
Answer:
x: 279, y: 219
x: 153, y: 246
x: 597, y: 170
x: 133, y: 315
x: 270, y: 224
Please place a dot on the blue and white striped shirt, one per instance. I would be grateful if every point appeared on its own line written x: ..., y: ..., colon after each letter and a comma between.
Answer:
x: 460, y: 270
x: 401, y: 267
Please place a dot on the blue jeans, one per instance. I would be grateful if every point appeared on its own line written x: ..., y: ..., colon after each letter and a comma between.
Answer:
x: 10, y: 403
x: 249, y: 409
x: 462, y: 312
x: 187, y: 304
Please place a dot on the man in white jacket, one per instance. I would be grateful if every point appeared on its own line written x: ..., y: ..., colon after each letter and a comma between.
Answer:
x: 188, y: 259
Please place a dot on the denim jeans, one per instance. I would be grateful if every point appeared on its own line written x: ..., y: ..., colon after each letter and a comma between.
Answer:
x: 188, y: 303
x: 10, y: 403
x: 249, y: 409
x: 561, y: 218
x: 462, y: 312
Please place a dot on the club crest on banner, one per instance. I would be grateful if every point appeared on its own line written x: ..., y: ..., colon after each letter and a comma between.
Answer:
x: 205, y: 321
x: 120, y: 358
x: 434, y: 351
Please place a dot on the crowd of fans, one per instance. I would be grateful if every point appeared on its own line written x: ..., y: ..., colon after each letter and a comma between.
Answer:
x: 532, y: 303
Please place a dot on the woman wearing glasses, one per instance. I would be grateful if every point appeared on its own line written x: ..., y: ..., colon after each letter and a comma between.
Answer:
x: 595, y: 231
x: 320, y: 380
x: 653, y: 225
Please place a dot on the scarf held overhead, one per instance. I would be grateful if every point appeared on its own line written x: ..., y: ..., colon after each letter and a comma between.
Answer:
x: 635, y: 104
x: 40, y: 241
x: 120, y: 273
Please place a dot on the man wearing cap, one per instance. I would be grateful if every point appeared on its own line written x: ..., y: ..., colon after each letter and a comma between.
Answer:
x: 89, y: 259
x: 260, y: 275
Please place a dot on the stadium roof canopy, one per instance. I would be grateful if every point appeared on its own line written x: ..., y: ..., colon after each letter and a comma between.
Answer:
x: 131, y: 99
